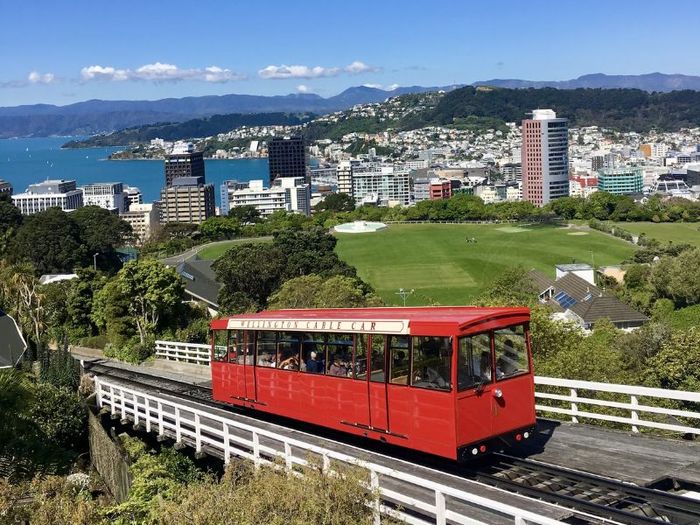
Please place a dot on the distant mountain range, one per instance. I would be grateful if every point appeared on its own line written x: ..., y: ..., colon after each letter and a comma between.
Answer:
x: 649, y: 82
x: 101, y: 116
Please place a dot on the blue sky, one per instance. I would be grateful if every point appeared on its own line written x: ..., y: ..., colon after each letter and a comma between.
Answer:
x: 63, y: 52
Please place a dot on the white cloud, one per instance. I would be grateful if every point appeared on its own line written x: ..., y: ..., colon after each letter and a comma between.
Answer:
x: 360, y: 67
x: 38, y: 78
x: 375, y: 86
x: 103, y: 73
x: 392, y: 87
x: 301, y: 88
x: 298, y: 71
x: 159, y: 72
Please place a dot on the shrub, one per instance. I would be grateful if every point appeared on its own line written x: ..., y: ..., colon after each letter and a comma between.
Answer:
x: 60, y: 415
x: 132, y: 351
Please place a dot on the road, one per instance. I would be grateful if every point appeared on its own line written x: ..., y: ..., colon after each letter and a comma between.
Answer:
x: 192, y: 252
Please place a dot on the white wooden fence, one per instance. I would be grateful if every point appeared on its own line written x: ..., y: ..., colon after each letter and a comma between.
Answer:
x: 567, y: 401
x: 640, y: 403
x: 186, y: 352
x: 401, y: 495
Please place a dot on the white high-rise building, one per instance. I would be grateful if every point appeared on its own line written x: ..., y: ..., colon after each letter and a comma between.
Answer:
x: 344, y: 175
x: 49, y: 194
x: 133, y: 195
x: 107, y: 195
x: 545, y: 157
x: 287, y: 193
x: 386, y: 185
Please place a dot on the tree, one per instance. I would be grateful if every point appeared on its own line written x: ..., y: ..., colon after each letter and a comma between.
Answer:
x: 10, y: 220
x: 217, y: 227
x: 313, y: 291
x: 101, y: 232
x: 337, y: 202
x: 152, y: 288
x: 678, y: 278
x: 110, y: 312
x: 51, y: 241
x: 677, y: 365
x: 310, y: 251
x: 250, y: 272
x: 244, y: 214
x: 513, y: 287
x: 22, y: 291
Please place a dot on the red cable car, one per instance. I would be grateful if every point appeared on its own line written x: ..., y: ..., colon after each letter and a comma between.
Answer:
x: 450, y: 381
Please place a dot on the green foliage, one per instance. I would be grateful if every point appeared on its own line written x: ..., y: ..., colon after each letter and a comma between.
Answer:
x: 313, y: 291
x: 50, y: 240
x: 152, y: 288
x: 100, y: 233
x: 336, y: 202
x: 244, y: 214
x: 156, y: 478
x: 249, y: 272
x: 513, y: 287
x: 110, y: 312
x: 678, y: 278
x: 10, y: 220
x: 246, y: 496
x: 60, y: 415
x: 677, y: 365
x: 217, y: 228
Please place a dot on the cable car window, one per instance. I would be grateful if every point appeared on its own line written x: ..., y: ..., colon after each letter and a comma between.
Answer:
x: 339, y: 355
x: 360, y: 364
x: 220, y: 349
x: 313, y: 353
x: 432, y: 358
x: 400, y: 352
x: 235, y: 346
x: 377, y: 372
x: 474, y: 361
x: 510, y: 346
x: 266, y: 349
x: 288, y: 348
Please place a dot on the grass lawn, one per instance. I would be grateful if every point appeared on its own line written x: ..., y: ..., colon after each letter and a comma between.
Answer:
x: 214, y: 251
x: 439, y: 264
x: 677, y: 232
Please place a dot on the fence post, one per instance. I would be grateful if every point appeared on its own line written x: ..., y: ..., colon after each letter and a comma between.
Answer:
x: 178, y: 430
x: 161, y: 430
x: 634, y: 401
x: 288, y: 456
x: 376, y: 506
x: 197, y: 434
x: 148, y: 414
x: 98, y: 392
x: 574, y: 406
x: 227, y: 445
x: 440, y: 508
x: 256, y: 450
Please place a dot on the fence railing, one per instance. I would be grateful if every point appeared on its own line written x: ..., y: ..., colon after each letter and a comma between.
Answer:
x: 229, y: 437
x: 186, y: 352
x: 569, y: 399
x: 637, y: 402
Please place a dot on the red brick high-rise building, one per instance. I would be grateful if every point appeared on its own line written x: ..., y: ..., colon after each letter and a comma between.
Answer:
x: 545, y: 157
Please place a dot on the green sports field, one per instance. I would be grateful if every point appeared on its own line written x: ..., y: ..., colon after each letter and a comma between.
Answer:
x: 676, y: 232
x: 436, y: 260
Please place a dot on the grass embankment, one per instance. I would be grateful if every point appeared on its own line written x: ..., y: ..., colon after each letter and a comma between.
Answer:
x: 676, y: 232
x: 436, y: 260
x: 214, y: 251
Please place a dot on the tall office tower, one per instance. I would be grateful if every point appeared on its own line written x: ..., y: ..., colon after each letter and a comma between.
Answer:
x: 184, y: 161
x: 344, y: 175
x: 287, y: 158
x: 188, y: 199
x: 545, y: 157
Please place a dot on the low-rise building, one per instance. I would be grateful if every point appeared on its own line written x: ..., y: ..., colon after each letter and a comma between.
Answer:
x: 440, y: 189
x: 144, y: 220
x: 39, y: 197
x: 107, y: 195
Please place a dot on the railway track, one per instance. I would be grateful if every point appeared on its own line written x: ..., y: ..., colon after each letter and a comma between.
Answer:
x: 593, y: 499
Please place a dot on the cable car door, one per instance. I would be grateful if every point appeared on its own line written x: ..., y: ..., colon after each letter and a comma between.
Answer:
x: 378, y: 409
x: 248, y: 368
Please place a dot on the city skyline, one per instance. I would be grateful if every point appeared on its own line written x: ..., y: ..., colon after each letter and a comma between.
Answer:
x: 159, y: 50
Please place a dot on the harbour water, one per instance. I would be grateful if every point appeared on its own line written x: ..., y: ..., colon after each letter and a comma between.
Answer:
x: 26, y: 161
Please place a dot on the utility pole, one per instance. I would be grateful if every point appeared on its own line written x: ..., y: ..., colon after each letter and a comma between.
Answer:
x: 94, y: 260
x: 404, y: 293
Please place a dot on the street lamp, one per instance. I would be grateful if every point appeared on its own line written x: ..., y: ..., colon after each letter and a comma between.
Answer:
x: 404, y: 293
x: 94, y: 260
